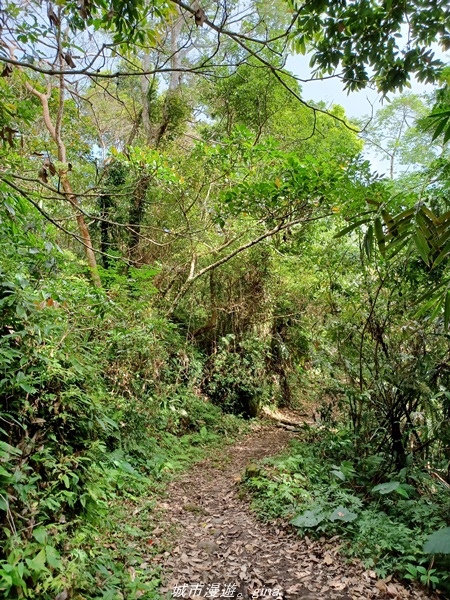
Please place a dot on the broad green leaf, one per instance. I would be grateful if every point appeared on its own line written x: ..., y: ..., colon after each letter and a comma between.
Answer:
x: 439, y: 114
x: 350, y: 228
x: 37, y: 564
x: 444, y: 235
x: 444, y: 219
x: 438, y: 542
x: 343, y: 514
x: 380, y: 236
x: 7, y: 581
x: 28, y: 388
x: 40, y: 535
x: 430, y: 215
x: 447, y: 309
x: 53, y: 557
x: 402, y: 491
x: 339, y: 474
x: 442, y: 255
x: 387, y: 218
x: 422, y: 246
x: 368, y: 242
x: 425, y: 224
x: 447, y: 135
x: 437, y: 308
x: 404, y: 217
x: 386, y: 488
x: 21, y: 312
x: 126, y: 467
x: 308, y: 519
x: 5, y: 447
x: 9, y: 208
x: 439, y: 129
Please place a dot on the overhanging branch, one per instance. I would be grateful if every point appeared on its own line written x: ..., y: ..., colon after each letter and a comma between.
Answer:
x: 267, y: 234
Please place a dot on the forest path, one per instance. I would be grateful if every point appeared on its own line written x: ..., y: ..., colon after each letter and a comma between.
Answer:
x: 221, y: 550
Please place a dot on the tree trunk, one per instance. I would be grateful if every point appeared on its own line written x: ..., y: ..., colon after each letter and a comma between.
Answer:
x: 104, y: 229
x: 136, y: 215
x: 55, y: 132
x: 146, y: 88
x: 398, y: 448
x: 84, y: 231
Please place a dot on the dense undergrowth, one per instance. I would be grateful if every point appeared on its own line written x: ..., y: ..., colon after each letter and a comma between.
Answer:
x: 101, y: 403
x: 325, y: 488
x: 105, y: 398
x: 173, y: 256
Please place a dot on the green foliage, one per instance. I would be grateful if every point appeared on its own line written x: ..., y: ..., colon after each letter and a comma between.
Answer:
x: 360, y: 36
x: 439, y: 119
x: 263, y: 103
x: 223, y: 286
x: 395, y: 134
x: 126, y: 23
x: 93, y: 407
x: 320, y: 497
x: 236, y: 376
x: 423, y: 233
x: 438, y: 542
x: 427, y: 577
x: 312, y: 518
x: 391, y: 486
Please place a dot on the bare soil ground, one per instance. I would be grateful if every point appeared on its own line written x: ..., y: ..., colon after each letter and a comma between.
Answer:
x: 221, y: 550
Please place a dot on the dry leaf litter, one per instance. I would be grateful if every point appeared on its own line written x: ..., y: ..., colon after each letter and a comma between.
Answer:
x: 223, y: 550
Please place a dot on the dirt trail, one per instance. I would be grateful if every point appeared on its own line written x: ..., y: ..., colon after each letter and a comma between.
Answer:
x: 223, y: 551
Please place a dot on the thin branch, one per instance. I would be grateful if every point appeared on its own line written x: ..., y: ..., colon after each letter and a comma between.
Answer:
x: 57, y: 225
x: 193, y: 277
x: 274, y: 70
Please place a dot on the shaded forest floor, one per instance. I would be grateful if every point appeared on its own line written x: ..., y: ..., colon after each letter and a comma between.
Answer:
x: 218, y: 548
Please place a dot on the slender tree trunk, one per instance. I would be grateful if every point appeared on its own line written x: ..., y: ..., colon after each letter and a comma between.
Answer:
x: 136, y: 215
x: 176, y: 56
x: 398, y: 447
x: 146, y: 88
x: 83, y: 228
x: 105, y: 202
x: 55, y: 132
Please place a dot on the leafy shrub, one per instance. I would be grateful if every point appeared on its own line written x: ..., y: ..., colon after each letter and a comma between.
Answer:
x: 236, y: 376
x: 98, y: 394
x: 386, y: 525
